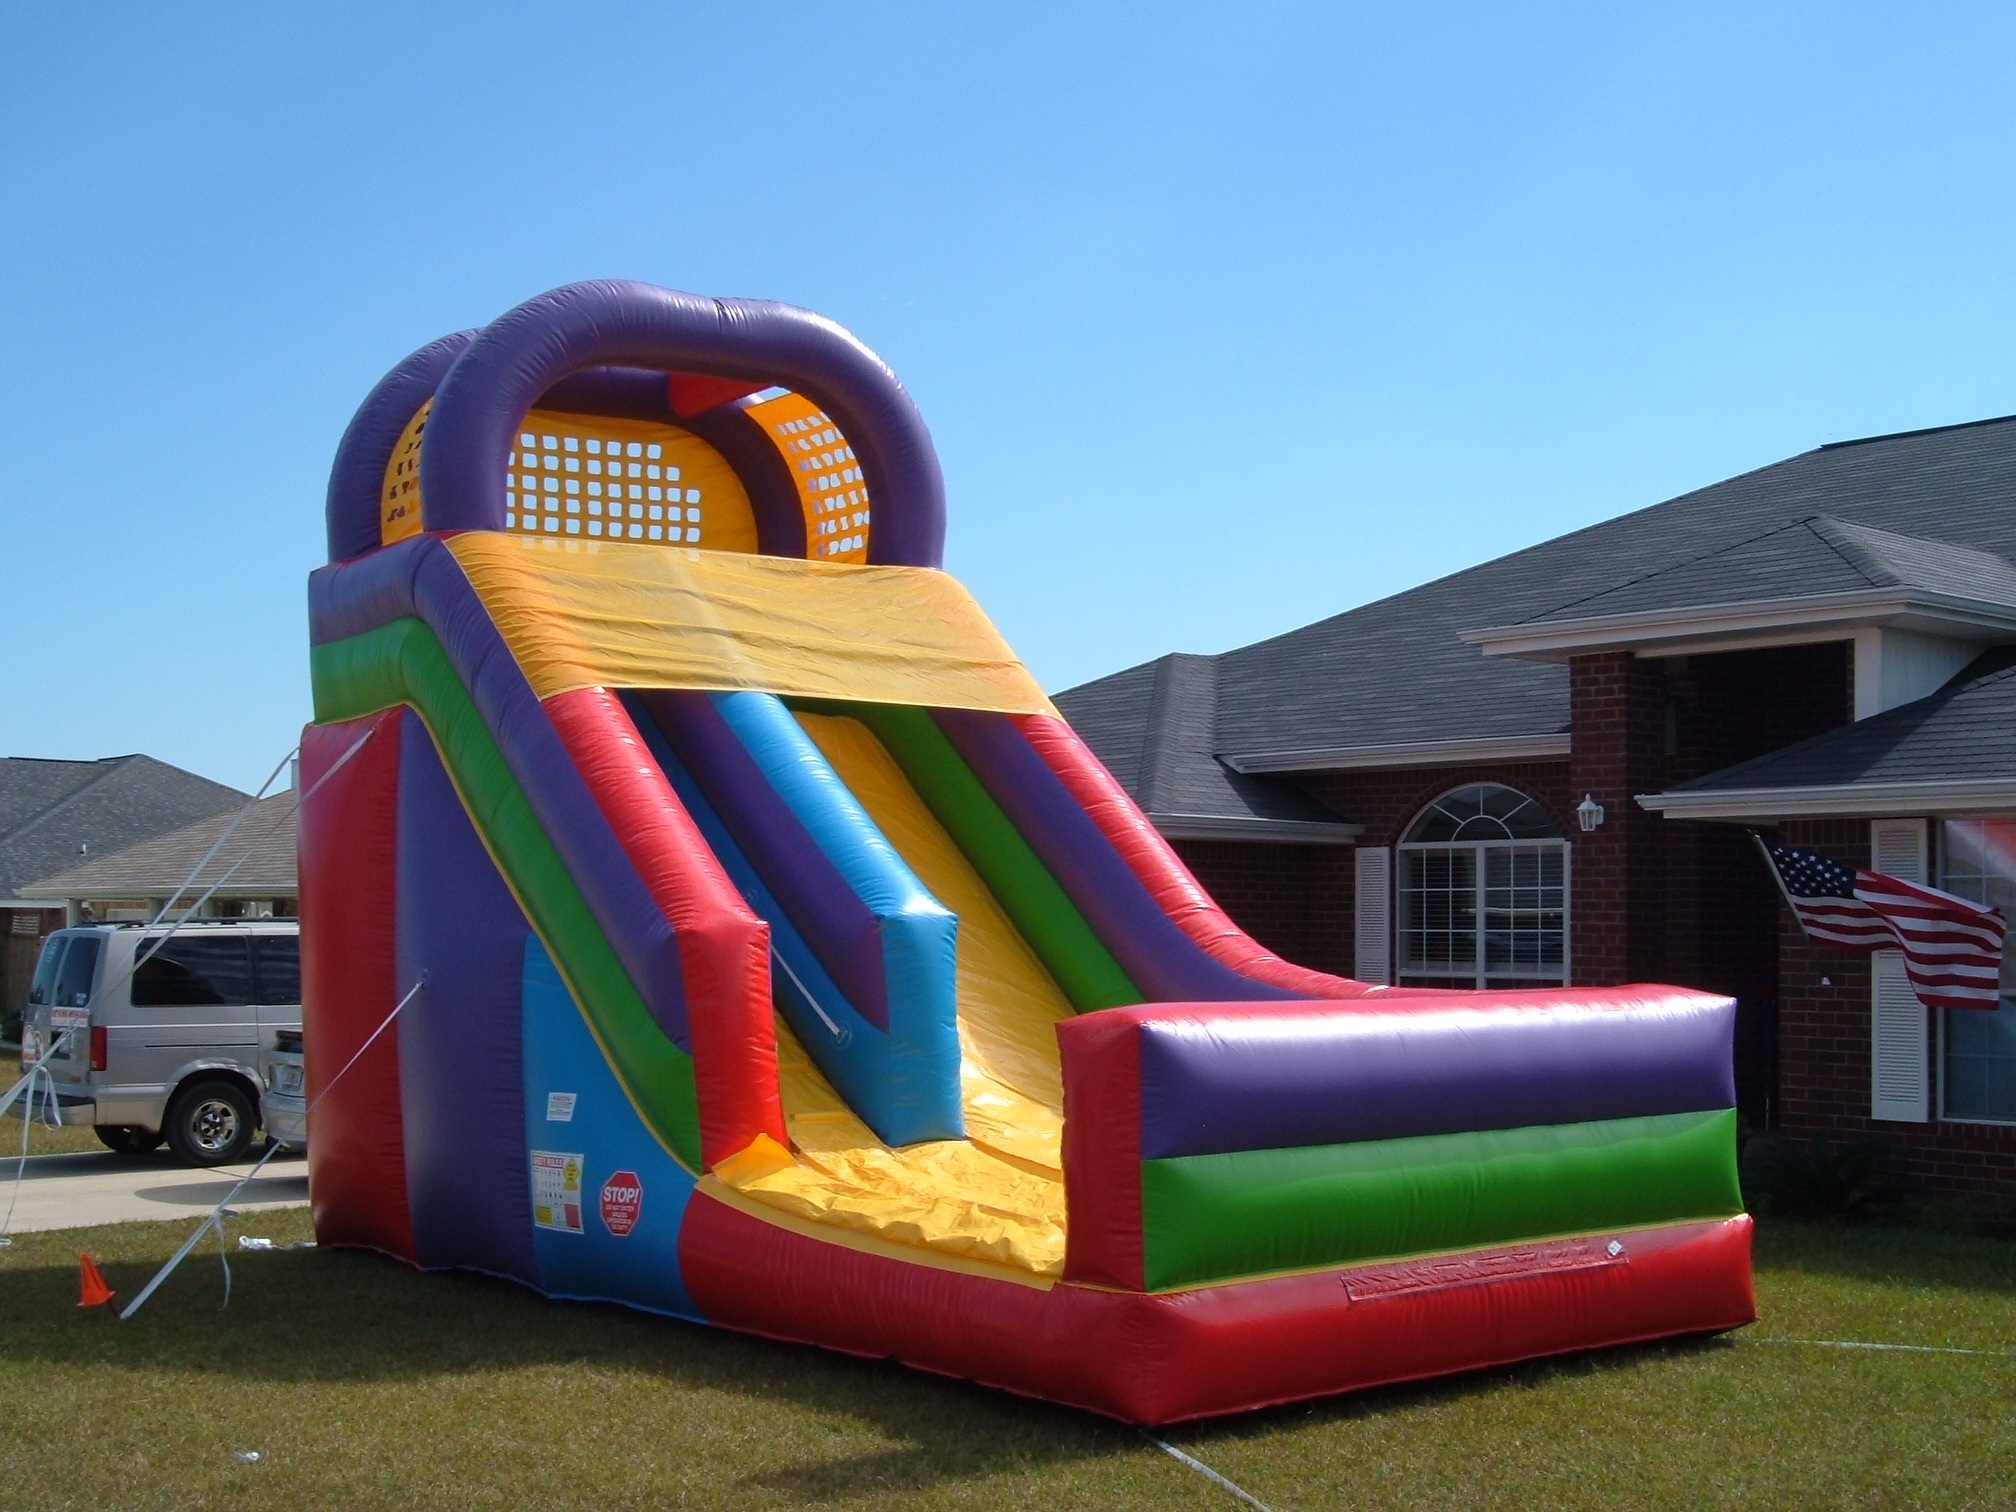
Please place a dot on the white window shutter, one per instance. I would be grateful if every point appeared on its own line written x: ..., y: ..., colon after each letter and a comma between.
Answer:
x: 1374, y: 934
x: 1899, y: 1086
x: 1897, y: 849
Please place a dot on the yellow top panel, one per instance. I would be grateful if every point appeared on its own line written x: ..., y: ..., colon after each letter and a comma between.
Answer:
x: 831, y: 490
x: 594, y: 477
x: 583, y: 613
x: 399, y: 499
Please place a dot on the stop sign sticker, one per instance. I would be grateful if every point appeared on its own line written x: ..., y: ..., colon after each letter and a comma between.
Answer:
x: 622, y: 1201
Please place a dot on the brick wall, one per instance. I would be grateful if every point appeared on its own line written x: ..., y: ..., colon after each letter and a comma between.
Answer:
x: 1294, y: 899
x: 1823, y: 1047
x: 1617, y: 883
x: 1666, y: 900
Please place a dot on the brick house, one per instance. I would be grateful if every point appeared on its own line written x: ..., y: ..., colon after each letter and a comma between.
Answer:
x: 59, y: 814
x: 239, y: 864
x: 1547, y: 768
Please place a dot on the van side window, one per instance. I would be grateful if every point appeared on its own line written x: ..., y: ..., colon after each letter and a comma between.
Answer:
x: 279, y: 958
x: 80, y: 965
x: 195, y: 973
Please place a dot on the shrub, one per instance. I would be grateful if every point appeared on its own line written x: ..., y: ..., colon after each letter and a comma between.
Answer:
x: 1855, y: 1182
x: 1991, y: 1216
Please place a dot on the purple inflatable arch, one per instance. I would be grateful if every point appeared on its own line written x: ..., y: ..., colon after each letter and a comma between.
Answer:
x: 606, y: 342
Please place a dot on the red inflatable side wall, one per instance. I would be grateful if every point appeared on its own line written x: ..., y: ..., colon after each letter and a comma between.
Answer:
x: 724, y: 949
x: 1175, y: 1355
x: 1101, y: 1056
x: 349, y: 868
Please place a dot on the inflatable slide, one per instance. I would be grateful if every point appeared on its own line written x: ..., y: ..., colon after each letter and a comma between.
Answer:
x: 773, y: 955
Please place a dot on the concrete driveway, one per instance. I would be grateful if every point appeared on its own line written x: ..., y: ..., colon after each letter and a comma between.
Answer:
x: 77, y: 1191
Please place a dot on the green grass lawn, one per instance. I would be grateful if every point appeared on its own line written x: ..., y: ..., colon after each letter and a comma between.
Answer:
x: 362, y: 1384
x: 42, y: 1140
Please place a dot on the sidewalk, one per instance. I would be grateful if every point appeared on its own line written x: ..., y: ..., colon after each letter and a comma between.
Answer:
x: 78, y: 1191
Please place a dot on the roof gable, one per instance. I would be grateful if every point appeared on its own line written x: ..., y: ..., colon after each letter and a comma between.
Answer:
x: 1964, y: 732
x: 62, y: 810
x: 1815, y: 555
x: 256, y: 860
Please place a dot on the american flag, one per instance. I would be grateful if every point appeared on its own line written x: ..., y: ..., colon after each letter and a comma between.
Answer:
x: 1952, y: 948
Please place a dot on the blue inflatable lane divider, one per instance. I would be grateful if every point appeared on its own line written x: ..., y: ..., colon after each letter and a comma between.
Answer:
x: 607, y: 1198
x: 902, y: 1095
x: 918, y: 935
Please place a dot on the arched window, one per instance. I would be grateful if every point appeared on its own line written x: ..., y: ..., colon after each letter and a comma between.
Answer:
x: 1483, y: 893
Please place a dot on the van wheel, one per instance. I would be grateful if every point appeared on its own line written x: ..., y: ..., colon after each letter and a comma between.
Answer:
x: 210, y: 1123
x: 127, y: 1139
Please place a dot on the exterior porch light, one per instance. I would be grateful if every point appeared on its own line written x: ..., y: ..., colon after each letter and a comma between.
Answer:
x: 1589, y: 813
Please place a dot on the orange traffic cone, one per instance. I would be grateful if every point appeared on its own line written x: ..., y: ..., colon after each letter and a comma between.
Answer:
x: 95, y: 1293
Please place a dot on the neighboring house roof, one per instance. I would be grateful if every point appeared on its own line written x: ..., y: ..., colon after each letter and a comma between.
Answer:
x: 256, y: 861
x: 1393, y: 683
x: 49, y: 809
x: 1951, y: 752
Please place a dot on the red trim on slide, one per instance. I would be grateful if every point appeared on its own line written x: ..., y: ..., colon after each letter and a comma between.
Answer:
x: 349, y: 861
x: 1175, y: 1355
x: 724, y: 949
x: 1162, y: 871
x: 1101, y: 1059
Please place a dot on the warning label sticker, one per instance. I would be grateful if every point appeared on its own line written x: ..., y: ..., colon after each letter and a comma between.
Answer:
x: 556, y: 1191
x: 622, y: 1201
x: 560, y: 1107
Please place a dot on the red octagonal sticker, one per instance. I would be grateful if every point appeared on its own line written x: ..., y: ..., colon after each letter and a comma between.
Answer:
x: 622, y: 1201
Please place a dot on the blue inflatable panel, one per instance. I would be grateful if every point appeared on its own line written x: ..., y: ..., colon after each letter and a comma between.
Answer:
x: 617, y: 1240
x: 903, y: 1096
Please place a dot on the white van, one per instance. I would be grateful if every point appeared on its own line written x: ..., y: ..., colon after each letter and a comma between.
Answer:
x: 181, y: 1048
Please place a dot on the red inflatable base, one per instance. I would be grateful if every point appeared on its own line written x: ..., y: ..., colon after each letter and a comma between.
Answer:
x: 1162, y: 1358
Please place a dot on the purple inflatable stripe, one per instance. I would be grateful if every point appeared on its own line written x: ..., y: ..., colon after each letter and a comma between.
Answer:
x: 615, y: 322
x: 1162, y: 961
x: 461, y: 1079
x: 827, y: 913
x: 1251, y: 1082
x: 357, y: 480
x: 421, y: 577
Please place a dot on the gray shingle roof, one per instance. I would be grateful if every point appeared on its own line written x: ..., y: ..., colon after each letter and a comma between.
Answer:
x: 50, y: 808
x: 1931, y: 509
x: 1966, y: 730
x: 1157, y: 720
x: 257, y: 861
x: 1819, y: 554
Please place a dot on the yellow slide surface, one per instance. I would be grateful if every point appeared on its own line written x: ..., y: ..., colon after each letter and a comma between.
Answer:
x: 998, y: 1194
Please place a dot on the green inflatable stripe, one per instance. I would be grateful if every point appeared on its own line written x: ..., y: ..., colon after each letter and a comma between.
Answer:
x: 1211, y: 1217
x: 402, y: 663
x: 1017, y: 877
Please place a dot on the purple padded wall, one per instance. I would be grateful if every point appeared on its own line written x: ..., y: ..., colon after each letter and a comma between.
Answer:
x: 462, y: 1088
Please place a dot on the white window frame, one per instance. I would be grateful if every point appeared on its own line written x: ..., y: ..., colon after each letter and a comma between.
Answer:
x: 1939, y: 1055
x: 1481, y: 977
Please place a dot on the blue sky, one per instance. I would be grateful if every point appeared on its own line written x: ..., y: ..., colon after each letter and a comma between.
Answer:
x: 1224, y: 319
